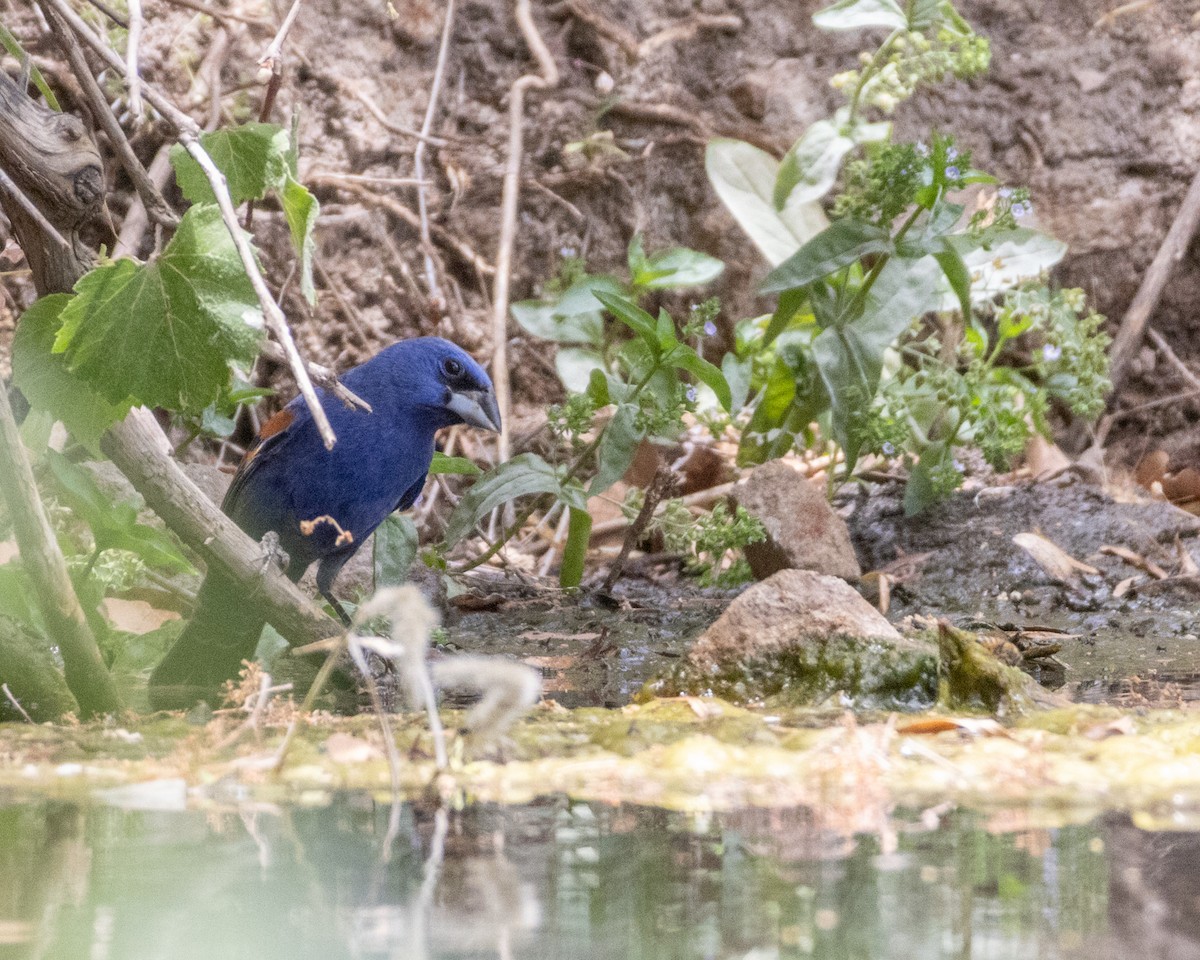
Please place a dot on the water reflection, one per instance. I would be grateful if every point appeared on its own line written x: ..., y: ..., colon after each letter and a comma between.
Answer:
x: 575, y: 881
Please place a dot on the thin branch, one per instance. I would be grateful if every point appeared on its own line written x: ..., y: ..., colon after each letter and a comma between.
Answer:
x: 381, y: 118
x: 1172, y: 358
x: 439, y: 70
x: 18, y: 196
x: 152, y: 199
x: 132, y: 42
x: 189, y: 134
x: 220, y: 14
x: 322, y: 376
x: 274, y: 52
x: 510, y: 195
x: 1174, y: 247
x: 109, y: 12
x: 16, y: 703
x: 319, y: 178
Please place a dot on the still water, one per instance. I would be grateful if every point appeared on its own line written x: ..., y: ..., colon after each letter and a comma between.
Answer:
x: 572, y: 881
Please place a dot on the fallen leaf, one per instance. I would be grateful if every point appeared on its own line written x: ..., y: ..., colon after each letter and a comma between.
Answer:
x: 1053, y: 559
x: 1123, y: 587
x: 135, y: 616
x: 1151, y: 468
x: 977, y: 727
x: 1044, y: 458
x: 1183, y: 487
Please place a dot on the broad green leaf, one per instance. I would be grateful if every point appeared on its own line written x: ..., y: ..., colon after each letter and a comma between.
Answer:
x: 811, y: 166
x: 1008, y: 258
x: 579, y: 533
x: 114, y: 526
x: 664, y: 330
x: 957, y: 276
x: 633, y: 316
x: 597, y: 388
x: 13, y: 46
x: 522, y: 475
x: 684, y: 357
x: 857, y: 14
x: 253, y: 158
x: 576, y: 366
x: 790, y: 303
x: 737, y: 372
x: 396, y: 546
x: 793, y: 398
x: 743, y: 177
x: 165, y: 332
x: 839, y: 245
x: 453, y: 465
x: 617, y: 449
x: 47, y: 383
x: 850, y: 357
x: 676, y: 268
x: 574, y: 317
x: 301, y: 208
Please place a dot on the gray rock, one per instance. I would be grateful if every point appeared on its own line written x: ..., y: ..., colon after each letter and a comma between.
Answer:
x: 803, y: 531
x: 800, y: 638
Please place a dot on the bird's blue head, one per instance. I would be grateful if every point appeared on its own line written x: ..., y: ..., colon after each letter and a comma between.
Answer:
x: 433, y: 375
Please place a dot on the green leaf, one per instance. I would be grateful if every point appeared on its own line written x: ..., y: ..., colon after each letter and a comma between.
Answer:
x: 790, y: 304
x: 597, y: 388
x: 574, y: 317
x: 849, y: 358
x: 684, y: 357
x: 396, y: 546
x: 617, y: 449
x: 253, y: 158
x: 743, y: 177
x: 47, y: 383
x: 576, y: 366
x: 300, y: 209
x: 114, y: 526
x: 738, y: 372
x: 453, y: 465
x: 635, y: 257
x: 857, y: 14
x: 1003, y: 261
x: 920, y: 492
x: 811, y: 166
x: 165, y: 332
x: 522, y: 475
x: 839, y: 245
x: 13, y: 46
x: 677, y: 268
x: 957, y: 276
x: 633, y: 316
x: 579, y: 533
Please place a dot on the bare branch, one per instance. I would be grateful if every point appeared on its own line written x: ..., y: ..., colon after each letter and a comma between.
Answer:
x: 439, y: 70
x: 548, y: 77
x: 274, y: 52
x: 18, y: 197
x: 132, y: 41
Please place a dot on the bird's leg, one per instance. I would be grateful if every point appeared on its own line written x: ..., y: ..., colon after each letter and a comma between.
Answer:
x: 337, y: 607
x: 327, y: 571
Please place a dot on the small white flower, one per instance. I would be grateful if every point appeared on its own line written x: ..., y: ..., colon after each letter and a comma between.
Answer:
x: 1051, y: 352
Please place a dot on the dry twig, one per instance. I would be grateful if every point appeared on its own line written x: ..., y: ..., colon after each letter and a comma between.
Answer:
x: 439, y: 70
x: 546, y: 77
x: 132, y: 42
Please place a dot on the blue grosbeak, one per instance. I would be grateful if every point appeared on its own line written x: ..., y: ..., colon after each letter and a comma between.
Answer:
x: 324, y: 504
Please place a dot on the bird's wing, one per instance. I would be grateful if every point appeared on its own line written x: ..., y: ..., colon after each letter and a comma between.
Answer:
x: 274, y: 432
x: 410, y: 495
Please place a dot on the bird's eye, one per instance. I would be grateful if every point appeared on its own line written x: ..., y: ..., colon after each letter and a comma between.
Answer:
x: 452, y: 367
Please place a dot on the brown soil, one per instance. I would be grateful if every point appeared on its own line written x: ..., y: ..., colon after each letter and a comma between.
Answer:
x: 1096, y: 111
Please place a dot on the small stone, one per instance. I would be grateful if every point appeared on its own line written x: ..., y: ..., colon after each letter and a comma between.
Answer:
x: 785, y: 610
x: 803, y: 531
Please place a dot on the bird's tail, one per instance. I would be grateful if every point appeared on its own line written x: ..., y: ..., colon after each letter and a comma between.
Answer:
x: 222, y: 633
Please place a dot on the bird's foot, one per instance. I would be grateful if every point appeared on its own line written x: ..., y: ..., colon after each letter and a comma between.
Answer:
x: 273, y: 552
